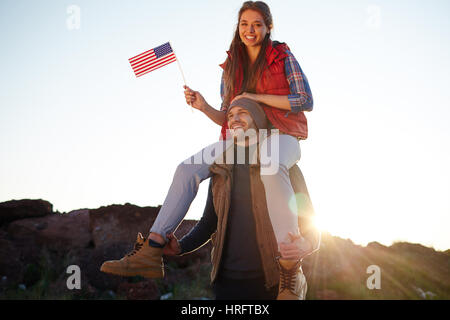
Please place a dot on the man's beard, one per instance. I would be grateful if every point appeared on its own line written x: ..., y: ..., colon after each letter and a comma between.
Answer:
x: 240, y: 136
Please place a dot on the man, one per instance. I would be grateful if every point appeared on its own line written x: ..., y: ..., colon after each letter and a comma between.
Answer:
x: 245, y: 252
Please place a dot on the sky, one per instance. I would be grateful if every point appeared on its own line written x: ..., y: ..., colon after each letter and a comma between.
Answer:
x: 78, y: 129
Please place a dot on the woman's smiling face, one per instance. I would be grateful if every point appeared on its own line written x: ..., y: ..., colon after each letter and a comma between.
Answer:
x: 252, y: 29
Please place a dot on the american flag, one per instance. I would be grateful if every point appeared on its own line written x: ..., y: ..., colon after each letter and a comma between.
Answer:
x: 152, y: 59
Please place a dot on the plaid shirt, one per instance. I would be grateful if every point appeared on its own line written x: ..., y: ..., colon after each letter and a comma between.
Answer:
x: 300, y: 97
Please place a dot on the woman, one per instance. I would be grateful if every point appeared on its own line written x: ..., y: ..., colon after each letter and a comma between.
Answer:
x: 268, y: 73
x: 271, y: 76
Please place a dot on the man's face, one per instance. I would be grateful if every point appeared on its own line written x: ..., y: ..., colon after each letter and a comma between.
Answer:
x: 239, y: 120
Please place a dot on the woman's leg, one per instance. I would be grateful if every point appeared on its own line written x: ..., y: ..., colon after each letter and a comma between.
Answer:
x: 146, y: 258
x: 279, y: 152
x: 183, y: 190
x: 282, y: 207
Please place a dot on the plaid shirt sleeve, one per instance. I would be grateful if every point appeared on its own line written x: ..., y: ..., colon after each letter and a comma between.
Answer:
x: 301, y: 96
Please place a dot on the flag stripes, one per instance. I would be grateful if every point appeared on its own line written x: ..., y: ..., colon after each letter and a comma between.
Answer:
x: 152, y: 59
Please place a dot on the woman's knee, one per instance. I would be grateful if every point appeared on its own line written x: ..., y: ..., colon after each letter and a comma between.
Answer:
x: 279, y: 154
x: 273, y: 173
x: 191, y: 174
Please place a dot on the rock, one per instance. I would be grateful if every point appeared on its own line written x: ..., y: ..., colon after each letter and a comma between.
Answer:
x: 120, y: 223
x: 376, y: 245
x: 327, y: 294
x: 166, y: 296
x: 144, y: 290
x: 58, y: 232
x: 111, y: 294
x: 428, y: 295
x: 10, y: 263
x: 91, y: 260
x: 26, y: 208
x: 32, y: 274
x: 184, y: 228
x: 59, y: 288
x: 413, y: 249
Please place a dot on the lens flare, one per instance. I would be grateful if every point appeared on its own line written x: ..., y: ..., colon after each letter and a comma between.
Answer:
x: 300, y: 204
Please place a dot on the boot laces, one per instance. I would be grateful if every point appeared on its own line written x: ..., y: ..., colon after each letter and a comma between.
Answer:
x: 288, y: 277
x: 137, y: 247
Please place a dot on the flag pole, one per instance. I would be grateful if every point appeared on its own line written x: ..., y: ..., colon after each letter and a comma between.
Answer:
x: 181, y: 70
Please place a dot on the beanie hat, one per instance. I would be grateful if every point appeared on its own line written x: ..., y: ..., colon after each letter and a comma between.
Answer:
x: 255, y: 110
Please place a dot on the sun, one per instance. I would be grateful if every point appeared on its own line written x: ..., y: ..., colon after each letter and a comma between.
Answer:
x: 320, y: 223
x: 344, y: 226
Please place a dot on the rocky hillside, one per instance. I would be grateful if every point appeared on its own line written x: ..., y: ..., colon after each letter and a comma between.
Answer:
x: 37, y: 245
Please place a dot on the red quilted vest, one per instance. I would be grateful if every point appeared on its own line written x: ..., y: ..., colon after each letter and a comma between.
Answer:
x: 273, y: 81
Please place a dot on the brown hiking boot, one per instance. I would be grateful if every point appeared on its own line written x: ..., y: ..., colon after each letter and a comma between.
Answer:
x: 144, y: 261
x: 292, y: 280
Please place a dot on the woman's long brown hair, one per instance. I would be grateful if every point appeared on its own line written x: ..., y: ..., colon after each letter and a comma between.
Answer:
x: 239, y: 56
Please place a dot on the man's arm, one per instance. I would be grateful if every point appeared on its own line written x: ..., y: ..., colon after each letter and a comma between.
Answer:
x: 201, y: 233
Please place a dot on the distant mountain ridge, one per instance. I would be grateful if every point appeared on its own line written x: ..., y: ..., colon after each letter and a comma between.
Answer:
x: 37, y: 245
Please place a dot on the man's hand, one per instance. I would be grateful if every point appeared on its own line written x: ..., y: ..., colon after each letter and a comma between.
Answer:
x: 298, y: 248
x: 172, y: 247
